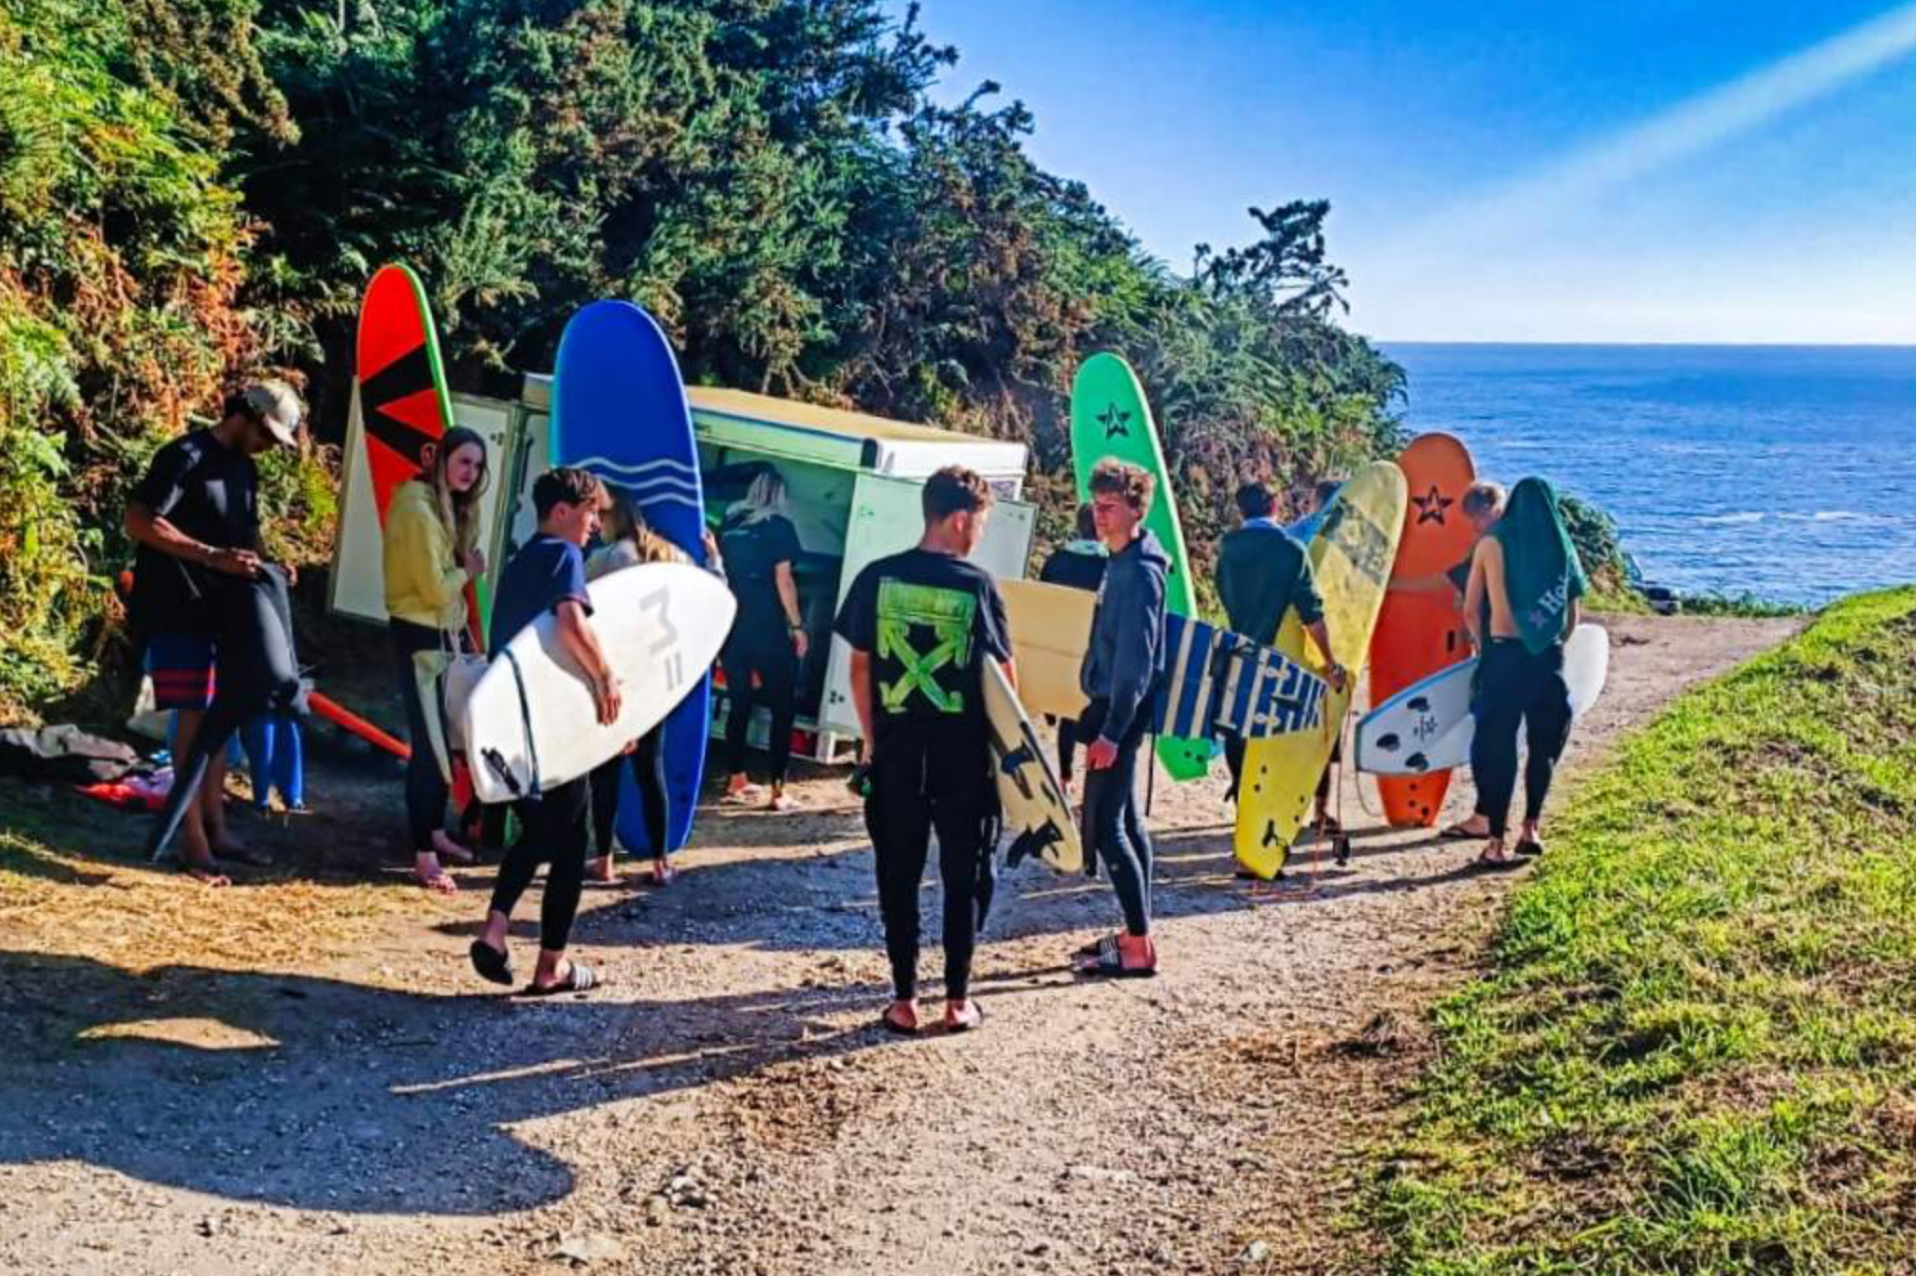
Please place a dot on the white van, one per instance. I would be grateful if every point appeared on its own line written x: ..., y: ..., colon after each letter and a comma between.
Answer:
x: 853, y: 482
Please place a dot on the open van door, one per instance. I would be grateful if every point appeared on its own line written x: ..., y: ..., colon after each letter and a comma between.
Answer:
x: 887, y: 517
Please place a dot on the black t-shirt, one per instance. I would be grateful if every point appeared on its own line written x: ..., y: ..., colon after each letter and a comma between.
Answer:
x: 928, y: 620
x: 544, y: 573
x: 752, y: 553
x: 211, y: 493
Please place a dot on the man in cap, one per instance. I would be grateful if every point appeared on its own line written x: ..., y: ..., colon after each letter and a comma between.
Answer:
x: 205, y: 599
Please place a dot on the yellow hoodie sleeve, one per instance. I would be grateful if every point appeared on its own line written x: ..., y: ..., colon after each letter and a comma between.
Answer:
x: 422, y: 584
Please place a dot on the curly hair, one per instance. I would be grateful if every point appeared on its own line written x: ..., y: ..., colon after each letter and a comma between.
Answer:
x: 1121, y: 478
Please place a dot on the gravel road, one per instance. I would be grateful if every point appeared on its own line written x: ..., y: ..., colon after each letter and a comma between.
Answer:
x: 725, y: 1105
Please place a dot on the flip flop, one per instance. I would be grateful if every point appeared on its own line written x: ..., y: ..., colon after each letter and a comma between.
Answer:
x: 493, y: 966
x: 1109, y: 964
x: 975, y: 1019
x: 1498, y: 866
x: 579, y: 978
x: 662, y: 872
x: 1095, y: 947
x: 1529, y: 848
x: 1458, y: 833
x: 895, y: 1028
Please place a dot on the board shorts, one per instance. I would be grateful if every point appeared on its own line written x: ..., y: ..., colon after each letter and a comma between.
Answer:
x: 181, y: 666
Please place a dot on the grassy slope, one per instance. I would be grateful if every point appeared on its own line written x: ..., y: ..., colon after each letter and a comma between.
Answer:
x: 1696, y: 1051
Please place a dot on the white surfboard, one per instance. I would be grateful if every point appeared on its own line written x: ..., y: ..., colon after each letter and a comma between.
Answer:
x: 530, y: 720
x: 1036, y: 814
x: 1428, y: 725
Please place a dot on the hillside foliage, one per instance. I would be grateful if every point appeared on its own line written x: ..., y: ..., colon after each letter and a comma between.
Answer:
x: 194, y: 190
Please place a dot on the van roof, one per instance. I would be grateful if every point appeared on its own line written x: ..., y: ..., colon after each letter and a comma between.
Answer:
x: 746, y: 406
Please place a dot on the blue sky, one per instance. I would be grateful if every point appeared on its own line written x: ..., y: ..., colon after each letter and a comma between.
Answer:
x: 1679, y: 170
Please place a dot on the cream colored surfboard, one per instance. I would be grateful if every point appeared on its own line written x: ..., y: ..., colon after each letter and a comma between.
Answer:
x: 1050, y: 629
x: 1351, y: 558
x: 1037, y: 816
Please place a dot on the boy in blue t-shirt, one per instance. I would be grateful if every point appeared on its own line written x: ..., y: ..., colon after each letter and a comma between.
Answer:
x: 548, y: 575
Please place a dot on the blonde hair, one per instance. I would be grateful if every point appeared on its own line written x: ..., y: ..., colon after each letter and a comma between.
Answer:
x: 1484, y: 498
x: 459, y: 511
x: 625, y: 523
x: 763, y: 499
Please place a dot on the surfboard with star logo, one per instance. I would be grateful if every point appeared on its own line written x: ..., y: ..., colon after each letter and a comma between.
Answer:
x: 1110, y: 418
x: 1421, y: 627
x: 403, y: 401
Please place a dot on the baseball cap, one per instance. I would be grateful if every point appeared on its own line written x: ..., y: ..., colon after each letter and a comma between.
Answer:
x: 277, y: 408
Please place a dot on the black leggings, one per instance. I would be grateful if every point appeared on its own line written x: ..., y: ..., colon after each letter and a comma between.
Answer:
x: 648, y: 772
x: 257, y: 673
x: 1067, y: 748
x: 900, y: 816
x: 552, y: 830
x: 1113, y: 828
x: 770, y: 657
x: 1518, y: 688
x: 426, y: 788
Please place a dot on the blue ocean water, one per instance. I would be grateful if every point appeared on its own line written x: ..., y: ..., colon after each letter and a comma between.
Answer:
x: 1785, y: 472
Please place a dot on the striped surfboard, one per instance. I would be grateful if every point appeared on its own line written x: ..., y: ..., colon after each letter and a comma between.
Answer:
x: 1216, y: 682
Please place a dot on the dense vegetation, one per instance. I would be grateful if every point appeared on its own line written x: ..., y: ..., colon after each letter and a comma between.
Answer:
x: 1697, y: 1049
x: 195, y: 189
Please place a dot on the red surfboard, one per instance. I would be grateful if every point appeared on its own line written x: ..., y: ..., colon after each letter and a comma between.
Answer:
x: 403, y: 401
x: 1421, y: 628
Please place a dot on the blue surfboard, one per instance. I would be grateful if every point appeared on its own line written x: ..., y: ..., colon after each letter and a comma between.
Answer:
x: 619, y: 410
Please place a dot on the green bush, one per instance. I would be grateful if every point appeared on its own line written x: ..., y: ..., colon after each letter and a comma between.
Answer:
x: 191, y: 190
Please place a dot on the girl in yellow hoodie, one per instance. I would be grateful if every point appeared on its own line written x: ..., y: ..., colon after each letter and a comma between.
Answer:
x: 432, y: 554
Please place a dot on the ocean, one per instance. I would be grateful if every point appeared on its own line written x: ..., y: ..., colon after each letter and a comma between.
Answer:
x: 1784, y: 472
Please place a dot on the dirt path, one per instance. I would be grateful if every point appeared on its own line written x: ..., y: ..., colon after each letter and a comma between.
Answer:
x: 725, y: 1106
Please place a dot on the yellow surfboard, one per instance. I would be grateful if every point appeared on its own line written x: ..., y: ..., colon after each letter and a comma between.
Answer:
x: 1351, y: 558
x: 1050, y: 629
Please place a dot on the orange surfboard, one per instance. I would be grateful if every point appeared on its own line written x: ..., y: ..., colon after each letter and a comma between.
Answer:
x: 1421, y: 628
x: 402, y: 395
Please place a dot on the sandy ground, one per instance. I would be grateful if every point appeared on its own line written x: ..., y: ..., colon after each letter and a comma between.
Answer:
x: 724, y: 1104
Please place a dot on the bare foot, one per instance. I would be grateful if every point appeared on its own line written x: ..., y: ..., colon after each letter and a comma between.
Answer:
x: 901, y: 1017
x: 204, y: 871
x: 662, y: 873
x: 962, y: 1016
x: 599, y: 869
x: 443, y: 844
x: 426, y: 870
x: 1495, y: 856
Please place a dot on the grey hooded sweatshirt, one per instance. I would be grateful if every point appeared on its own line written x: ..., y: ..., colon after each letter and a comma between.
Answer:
x: 1127, y: 635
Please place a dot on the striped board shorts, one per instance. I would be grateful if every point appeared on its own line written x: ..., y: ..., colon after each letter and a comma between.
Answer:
x: 181, y: 666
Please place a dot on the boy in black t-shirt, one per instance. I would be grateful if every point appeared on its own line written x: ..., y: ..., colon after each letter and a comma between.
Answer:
x: 548, y: 575
x: 919, y: 624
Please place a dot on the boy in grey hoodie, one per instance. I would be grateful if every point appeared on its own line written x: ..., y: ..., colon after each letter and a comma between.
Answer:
x: 1119, y: 676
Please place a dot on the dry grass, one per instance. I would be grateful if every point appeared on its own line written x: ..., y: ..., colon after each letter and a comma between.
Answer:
x: 72, y: 884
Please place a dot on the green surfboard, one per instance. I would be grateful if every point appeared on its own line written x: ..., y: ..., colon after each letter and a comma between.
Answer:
x: 1109, y: 418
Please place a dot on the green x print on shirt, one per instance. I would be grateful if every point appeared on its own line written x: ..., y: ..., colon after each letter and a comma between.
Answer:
x: 948, y: 615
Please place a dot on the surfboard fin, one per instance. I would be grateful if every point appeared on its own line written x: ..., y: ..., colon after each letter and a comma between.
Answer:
x: 1033, y: 842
